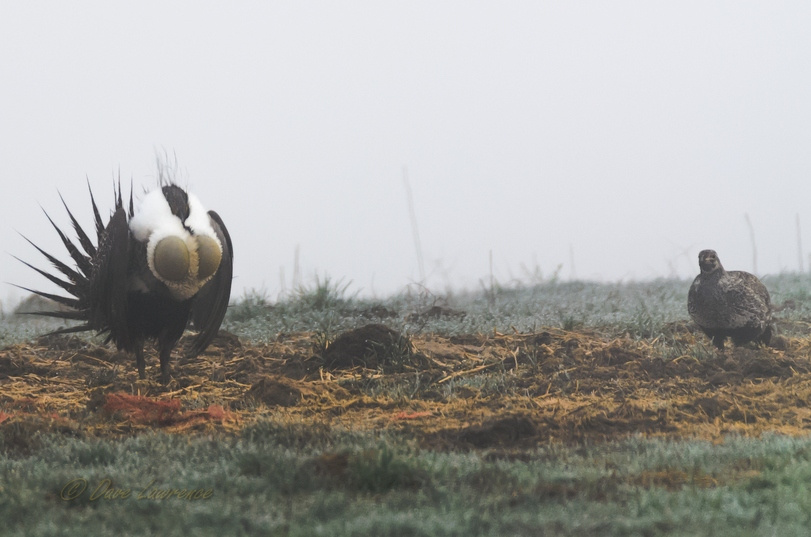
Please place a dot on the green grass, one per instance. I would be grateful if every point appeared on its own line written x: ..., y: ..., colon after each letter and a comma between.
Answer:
x: 270, y: 480
x: 329, y: 307
x: 638, y: 309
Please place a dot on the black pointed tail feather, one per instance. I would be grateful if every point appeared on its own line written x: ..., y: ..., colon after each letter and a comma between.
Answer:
x: 81, y: 260
x: 65, y: 301
x: 118, y: 202
x: 71, y: 329
x: 119, y: 198
x: 96, y: 215
x: 77, y: 282
x: 132, y: 205
x: 97, y: 284
x: 67, y: 286
x: 84, y: 240
x: 69, y: 315
x: 73, y: 276
x: 73, y: 314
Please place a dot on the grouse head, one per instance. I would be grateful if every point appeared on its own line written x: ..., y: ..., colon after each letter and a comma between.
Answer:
x: 182, y: 248
x: 708, y: 262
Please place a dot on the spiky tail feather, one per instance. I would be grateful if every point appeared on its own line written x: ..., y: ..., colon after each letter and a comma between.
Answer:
x: 78, y: 281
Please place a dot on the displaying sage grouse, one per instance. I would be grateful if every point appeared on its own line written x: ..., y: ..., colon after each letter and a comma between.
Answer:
x: 731, y: 304
x: 151, y: 272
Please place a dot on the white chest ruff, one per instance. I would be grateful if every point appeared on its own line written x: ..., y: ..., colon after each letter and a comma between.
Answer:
x: 155, y: 222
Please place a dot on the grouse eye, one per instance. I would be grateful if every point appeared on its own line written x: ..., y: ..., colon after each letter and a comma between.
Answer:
x: 210, y: 254
x: 171, y: 259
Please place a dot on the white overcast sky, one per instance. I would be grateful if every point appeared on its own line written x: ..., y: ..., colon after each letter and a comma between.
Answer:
x: 612, y: 139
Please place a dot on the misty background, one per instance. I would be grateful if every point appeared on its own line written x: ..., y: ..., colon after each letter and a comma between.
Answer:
x: 583, y: 140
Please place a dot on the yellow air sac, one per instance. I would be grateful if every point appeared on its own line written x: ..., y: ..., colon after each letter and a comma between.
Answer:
x: 171, y: 259
x: 210, y: 255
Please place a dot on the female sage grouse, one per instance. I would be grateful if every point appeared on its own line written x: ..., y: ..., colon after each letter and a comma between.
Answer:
x: 151, y: 272
x: 729, y: 304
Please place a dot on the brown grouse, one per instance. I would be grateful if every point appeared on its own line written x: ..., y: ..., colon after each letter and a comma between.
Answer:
x: 731, y: 304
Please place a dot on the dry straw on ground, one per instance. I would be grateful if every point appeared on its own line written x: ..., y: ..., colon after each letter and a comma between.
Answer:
x: 487, y: 391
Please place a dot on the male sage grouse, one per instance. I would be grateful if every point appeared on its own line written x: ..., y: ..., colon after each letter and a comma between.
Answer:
x: 731, y: 304
x: 152, y: 271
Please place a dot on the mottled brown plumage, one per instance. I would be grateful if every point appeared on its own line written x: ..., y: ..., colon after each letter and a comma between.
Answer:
x: 731, y: 304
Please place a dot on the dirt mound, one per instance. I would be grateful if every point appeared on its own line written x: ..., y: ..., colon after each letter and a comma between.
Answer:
x: 285, y: 392
x: 370, y: 346
x: 495, y: 392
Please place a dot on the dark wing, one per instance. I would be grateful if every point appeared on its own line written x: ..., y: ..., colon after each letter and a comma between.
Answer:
x: 692, y: 297
x: 211, y: 303
x: 107, y: 300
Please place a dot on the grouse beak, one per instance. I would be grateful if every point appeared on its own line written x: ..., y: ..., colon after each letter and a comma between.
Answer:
x: 708, y: 265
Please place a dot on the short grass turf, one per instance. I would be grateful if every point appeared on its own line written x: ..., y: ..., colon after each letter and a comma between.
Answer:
x: 291, y: 481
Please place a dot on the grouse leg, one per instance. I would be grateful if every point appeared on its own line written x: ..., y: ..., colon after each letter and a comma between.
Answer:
x: 718, y: 341
x: 139, y: 359
x: 766, y: 337
x: 165, y: 355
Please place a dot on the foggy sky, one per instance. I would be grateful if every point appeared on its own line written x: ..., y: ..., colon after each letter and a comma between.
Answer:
x: 602, y: 140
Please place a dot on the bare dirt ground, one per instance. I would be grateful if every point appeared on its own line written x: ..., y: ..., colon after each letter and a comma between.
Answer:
x: 501, y: 392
